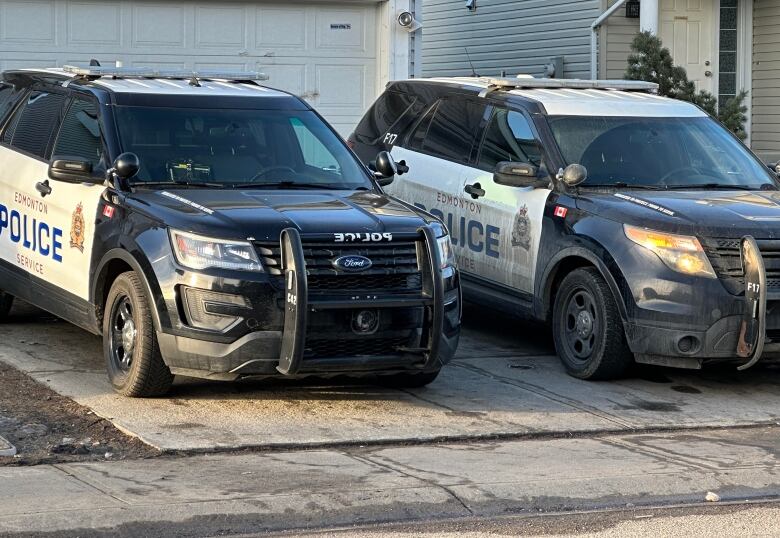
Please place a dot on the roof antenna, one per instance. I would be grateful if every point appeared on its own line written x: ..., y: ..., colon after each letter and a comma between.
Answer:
x: 473, y: 71
x: 94, y: 63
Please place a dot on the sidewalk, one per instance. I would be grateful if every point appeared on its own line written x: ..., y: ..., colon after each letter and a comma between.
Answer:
x: 252, y: 492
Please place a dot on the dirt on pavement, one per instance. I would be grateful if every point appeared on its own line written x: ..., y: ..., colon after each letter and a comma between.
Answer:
x: 48, y: 428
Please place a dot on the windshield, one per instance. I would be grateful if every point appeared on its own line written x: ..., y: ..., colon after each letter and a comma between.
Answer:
x: 229, y: 148
x: 658, y: 152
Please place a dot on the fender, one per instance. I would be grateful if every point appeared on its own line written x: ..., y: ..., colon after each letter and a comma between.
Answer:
x: 580, y: 252
x: 152, y: 289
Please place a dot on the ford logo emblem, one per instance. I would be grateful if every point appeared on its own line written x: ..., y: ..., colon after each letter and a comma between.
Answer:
x: 352, y: 263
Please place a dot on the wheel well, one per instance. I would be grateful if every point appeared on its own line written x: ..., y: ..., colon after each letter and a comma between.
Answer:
x: 559, y: 272
x: 110, y: 272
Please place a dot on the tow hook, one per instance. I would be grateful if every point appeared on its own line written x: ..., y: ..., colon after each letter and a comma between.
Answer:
x: 752, y: 330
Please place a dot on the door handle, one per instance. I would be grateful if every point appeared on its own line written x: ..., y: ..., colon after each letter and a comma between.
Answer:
x: 475, y: 190
x: 44, y: 188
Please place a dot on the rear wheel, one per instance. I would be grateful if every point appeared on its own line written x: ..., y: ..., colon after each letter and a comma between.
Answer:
x: 133, y: 360
x: 6, y: 302
x: 408, y: 380
x: 587, y: 328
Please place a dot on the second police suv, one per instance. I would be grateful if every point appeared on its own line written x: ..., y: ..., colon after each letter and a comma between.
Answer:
x: 637, y: 225
x: 208, y: 226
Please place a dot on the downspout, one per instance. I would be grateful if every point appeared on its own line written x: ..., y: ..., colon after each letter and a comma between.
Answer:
x: 594, y: 37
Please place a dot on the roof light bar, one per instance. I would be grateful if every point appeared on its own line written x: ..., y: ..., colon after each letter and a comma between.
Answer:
x: 148, y: 72
x: 505, y: 83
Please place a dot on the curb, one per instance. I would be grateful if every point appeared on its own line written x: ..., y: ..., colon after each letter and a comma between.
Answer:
x: 6, y: 448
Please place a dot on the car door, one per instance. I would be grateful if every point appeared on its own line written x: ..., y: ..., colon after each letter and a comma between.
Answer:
x: 511, y: 216
x: 437, y: 152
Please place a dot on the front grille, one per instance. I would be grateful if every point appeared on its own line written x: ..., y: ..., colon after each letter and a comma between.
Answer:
x: 324, y: 348
x: 394, y: 266
x: 726, y: 261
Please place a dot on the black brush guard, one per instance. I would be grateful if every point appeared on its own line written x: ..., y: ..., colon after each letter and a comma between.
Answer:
x: 752, y: 330
x: 298, y: 304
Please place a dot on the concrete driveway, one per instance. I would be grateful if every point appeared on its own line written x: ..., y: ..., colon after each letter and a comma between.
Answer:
x: 506, y: 381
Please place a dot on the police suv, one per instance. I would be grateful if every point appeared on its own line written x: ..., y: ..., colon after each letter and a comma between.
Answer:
x: 637, y: 225
x: 208, y: 226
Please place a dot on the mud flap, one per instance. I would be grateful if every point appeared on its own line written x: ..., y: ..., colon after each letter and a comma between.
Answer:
x: 752, y: 330
x: 296, y: 302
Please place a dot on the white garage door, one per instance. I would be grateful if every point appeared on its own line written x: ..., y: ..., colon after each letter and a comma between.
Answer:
x: 324, y: 52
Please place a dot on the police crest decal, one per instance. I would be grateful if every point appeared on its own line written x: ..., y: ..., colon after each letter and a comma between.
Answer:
x: 77, y: 229
x: 521, y: 230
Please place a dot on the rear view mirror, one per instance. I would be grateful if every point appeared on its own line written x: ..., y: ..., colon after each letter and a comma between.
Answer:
x: 74, y: 169
x: 573, y: 175
x: 126, y: 165
x: 513, y: 174
x: 385, y: 168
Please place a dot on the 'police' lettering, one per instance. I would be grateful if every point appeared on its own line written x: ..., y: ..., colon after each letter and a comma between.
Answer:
x: 31, y: 233
x: 469, y: 233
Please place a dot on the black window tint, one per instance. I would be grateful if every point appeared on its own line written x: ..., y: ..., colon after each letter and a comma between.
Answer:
x: 508, y: 138
x: 80, y: 133
x: 418, y: 135
x: 453, y: 127
x: 386, y: 111
x: 32, y: 127
x: 8, y: 96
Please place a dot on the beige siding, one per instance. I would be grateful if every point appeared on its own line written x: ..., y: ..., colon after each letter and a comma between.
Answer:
x: 615, y: 40
x: 765, y: 132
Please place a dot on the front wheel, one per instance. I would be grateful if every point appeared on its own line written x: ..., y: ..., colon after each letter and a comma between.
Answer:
x: 133, y: 360
x: 587, y: 328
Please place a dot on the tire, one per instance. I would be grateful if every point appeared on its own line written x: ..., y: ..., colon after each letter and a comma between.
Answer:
x: 6, y: 302
x: 587, y: 328
x: 128, y: 324
x: 408, y: 381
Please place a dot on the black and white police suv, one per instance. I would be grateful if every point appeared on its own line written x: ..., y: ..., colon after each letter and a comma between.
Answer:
x: 627, y: 220
x: 208, y: 226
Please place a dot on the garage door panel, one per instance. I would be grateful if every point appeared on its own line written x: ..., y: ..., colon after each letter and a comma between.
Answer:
x: 13, y: 62
x: 221, y: 26
x: 342, y: 29
x: 94, y: 24
x: 280, y: 27
x: 289, y: 77
x: 41, y: 29
x: 158, y: 25
x: 341, y: 86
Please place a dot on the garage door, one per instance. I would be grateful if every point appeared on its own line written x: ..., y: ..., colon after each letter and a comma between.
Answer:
x: 324, y: 52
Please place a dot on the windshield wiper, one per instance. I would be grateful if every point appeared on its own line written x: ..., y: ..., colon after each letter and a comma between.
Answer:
x: 714, y: 186
x: 622, y: 185
x: 208, y: 185
x: 286, y: 185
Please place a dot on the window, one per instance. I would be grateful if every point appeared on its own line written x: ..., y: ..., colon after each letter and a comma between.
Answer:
x: 313, y: 151
x: 383, y: 115
x: 80, y: 133
x: 451, y: 132
x: 31, y: 129
x: 509, y: 138
x: 8, y: 97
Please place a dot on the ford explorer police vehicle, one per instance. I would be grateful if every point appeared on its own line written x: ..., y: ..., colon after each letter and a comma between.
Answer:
x: 638, y: 226
x: 209, y: 226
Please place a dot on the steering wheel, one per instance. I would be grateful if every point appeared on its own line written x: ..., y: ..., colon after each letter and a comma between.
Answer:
x: 268, y: 169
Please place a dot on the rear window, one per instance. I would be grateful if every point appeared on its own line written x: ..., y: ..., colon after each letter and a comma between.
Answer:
x: 32, y: 126
x: 388, y: 109
x: 449, y: 130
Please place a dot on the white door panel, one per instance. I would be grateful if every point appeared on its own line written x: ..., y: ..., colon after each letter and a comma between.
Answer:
x: 51, y: 238
x: 324, y: 53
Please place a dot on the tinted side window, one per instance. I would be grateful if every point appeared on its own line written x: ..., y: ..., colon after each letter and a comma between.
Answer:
x: 32, y: 127
x: 8, y: 97
x: 386, y: 111
x: 80, y: 133
x: 452, y: 129
x: 508, y: 138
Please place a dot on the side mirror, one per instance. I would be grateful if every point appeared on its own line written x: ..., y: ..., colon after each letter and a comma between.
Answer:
x: 514, y: 174
x: 573, y: 175
x: 126, y: 165
x: 74, y: 169
x: 385, y: 168
x: 774, y: 167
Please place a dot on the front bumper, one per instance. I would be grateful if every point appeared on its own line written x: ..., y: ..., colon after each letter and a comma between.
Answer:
x: 288, y: 331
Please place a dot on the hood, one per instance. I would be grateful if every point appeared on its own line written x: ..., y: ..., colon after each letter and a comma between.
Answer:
x: 703, y: 213
x: 263, y: 214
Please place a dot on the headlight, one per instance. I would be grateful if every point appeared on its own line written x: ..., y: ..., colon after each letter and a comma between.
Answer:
x: 198, y: 252
x: 446, y: 254
x: 682, y: 253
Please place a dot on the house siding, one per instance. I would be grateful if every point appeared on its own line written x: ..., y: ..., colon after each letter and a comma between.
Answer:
x: 516, y: 36
x: 616, y: 36
x: 765, y: 130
